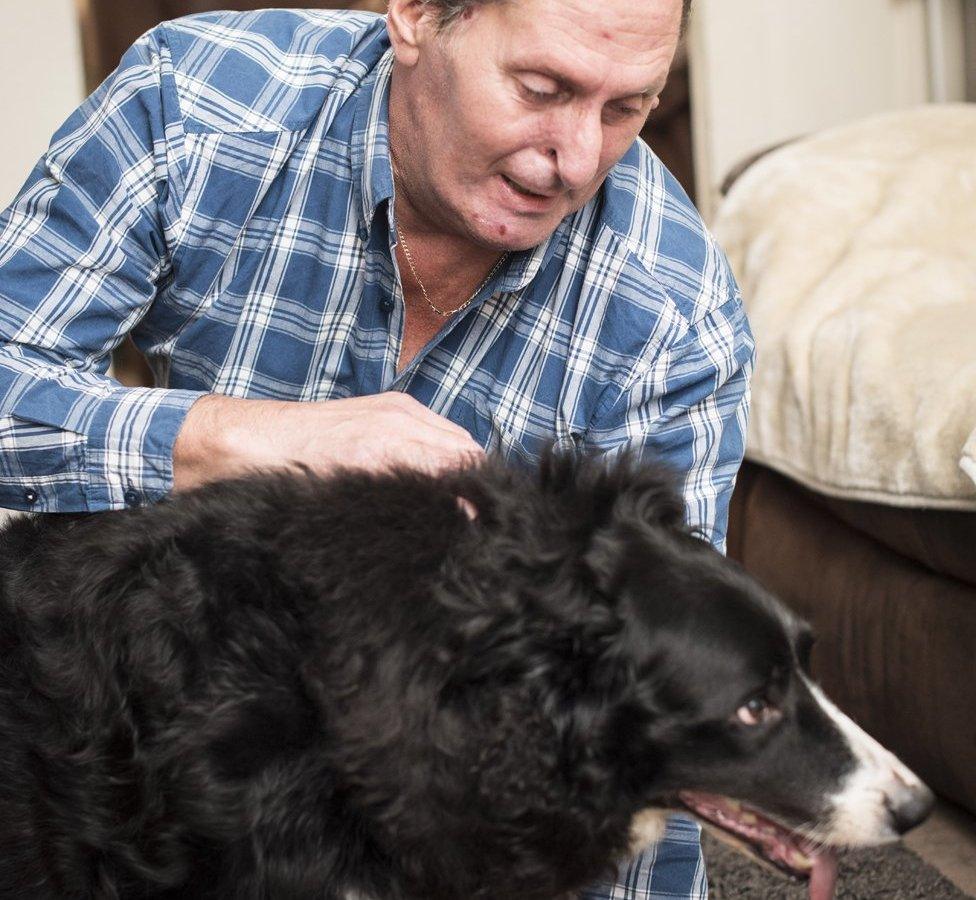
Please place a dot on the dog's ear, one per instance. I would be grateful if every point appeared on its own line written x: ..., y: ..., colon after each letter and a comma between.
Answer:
x: 640, y: 493
x: 617, y: 489
x: 618, y: 504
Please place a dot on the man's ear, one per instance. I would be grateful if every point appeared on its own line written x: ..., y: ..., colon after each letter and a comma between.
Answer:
x: 409, y: 22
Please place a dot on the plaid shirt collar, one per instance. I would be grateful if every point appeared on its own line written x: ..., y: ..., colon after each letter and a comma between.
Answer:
x: 370, y: 146
x: 373, y: 176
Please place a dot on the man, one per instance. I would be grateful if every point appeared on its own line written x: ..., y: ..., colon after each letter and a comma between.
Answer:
x: 343, y: 242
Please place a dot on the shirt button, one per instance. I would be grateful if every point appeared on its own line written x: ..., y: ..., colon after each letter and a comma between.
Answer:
x: 30, y: 495
x: 386, y: 304
x: 131, y: 498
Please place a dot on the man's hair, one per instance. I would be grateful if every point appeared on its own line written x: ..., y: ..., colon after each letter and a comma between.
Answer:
x: 449, y: 11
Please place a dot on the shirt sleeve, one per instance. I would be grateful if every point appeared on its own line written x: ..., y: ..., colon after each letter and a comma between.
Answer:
x: 83, y: 251
x: 689, y: 410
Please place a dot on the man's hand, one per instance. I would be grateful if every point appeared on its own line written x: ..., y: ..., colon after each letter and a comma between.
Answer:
x: 223, y: 437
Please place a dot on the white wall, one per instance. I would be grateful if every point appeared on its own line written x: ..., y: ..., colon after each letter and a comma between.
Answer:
x: 41, y: 82
x: 765, y: 71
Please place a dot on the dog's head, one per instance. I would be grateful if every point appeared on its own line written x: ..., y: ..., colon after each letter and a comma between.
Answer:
x: 719, y: 716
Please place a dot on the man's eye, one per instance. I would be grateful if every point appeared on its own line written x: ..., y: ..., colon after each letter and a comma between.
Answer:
x: 621, y: 114
x: 757, y: 711
x: 539, y: 96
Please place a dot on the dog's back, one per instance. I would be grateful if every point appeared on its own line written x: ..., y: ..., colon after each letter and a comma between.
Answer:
x: 26, y: 719
x: 269, y: 661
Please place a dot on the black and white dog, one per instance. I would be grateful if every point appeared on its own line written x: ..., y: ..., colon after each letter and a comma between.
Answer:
x: 481, y: 686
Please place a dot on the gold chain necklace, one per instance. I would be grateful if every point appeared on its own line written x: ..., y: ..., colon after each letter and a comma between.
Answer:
x: 444, y: 314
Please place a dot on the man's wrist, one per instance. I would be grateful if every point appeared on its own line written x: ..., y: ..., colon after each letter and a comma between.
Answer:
x: 220, y: 438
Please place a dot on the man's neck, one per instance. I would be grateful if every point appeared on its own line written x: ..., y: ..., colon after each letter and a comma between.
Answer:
x: 442, y: 258
x: 440, y: 250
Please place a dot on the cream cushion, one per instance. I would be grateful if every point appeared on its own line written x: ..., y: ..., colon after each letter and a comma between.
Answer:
x: 856, y: 253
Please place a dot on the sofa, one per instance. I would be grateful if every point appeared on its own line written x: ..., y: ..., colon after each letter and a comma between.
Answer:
x: 855, y: 250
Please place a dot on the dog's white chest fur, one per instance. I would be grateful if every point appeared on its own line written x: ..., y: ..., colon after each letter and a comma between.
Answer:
x: 647, y: 828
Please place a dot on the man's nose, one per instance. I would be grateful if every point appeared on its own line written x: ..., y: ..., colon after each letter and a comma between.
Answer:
x: 579, y: 148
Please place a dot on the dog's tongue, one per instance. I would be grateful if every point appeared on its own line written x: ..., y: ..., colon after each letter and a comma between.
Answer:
x: 767, y: 840
x: 823, y: 876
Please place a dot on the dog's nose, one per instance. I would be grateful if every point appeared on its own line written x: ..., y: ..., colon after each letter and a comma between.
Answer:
x: 910, y: 807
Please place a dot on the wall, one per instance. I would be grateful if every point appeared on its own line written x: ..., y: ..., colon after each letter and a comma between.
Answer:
x: 970, y: 41
x: 765, y: 71
x: 41, y: 79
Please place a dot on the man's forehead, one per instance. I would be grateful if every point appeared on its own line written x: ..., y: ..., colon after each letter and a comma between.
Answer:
x: 613, y: 18
x: 580, y: 76
x: 636, y: 23
x: 586, y: 51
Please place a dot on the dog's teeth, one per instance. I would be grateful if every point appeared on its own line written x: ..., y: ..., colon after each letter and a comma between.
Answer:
x: 748, y: 818
x: 800, y: 860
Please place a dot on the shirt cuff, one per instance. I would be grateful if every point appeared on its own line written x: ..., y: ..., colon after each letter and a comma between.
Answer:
x: 130, y: 446
x: 109, y: 452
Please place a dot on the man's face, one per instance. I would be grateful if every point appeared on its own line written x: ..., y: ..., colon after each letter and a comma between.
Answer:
x: 517, y: 112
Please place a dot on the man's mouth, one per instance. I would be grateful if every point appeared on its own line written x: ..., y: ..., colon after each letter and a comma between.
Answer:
x: 525, y: 192
x: 766, y: 841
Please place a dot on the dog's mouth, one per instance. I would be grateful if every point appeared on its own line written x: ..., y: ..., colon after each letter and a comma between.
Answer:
x: 767, y: 841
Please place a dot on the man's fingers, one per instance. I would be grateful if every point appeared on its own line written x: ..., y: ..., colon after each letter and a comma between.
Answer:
x: 432, y: 453
x: 384, y: 431
x: 445, y: 453
x: 417, y: 409
x: 467, y: 507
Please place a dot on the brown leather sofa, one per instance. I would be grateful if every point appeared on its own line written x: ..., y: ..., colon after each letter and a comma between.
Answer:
x: 891, y: 593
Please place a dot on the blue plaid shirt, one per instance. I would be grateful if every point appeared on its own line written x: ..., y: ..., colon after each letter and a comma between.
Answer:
x: 224, y: 197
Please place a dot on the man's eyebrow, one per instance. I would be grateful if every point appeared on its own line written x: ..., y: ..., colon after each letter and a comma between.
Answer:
x: 567, y: 82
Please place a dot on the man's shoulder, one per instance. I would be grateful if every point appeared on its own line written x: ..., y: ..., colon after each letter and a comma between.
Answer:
x: 663, y: 235
x: 270, y: 69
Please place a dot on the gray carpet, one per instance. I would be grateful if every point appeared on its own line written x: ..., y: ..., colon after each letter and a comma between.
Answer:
x: 891, y: 873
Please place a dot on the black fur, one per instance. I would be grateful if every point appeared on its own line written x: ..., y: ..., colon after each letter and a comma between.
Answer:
x: 288, y: 687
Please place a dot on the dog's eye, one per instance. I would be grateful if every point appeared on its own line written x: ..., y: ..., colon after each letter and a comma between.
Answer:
x: 757, y: 711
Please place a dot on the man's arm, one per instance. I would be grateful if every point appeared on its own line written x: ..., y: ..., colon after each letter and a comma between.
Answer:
x: 224, y: 437
x: 82, y: 251
x: 689, y: 410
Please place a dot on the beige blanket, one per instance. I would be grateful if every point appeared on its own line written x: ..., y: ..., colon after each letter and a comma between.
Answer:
x: 856, y: 254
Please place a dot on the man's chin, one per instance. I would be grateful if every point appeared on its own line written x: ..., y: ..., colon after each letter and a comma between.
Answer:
x: 518, y: 220
x: 512, y: 234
